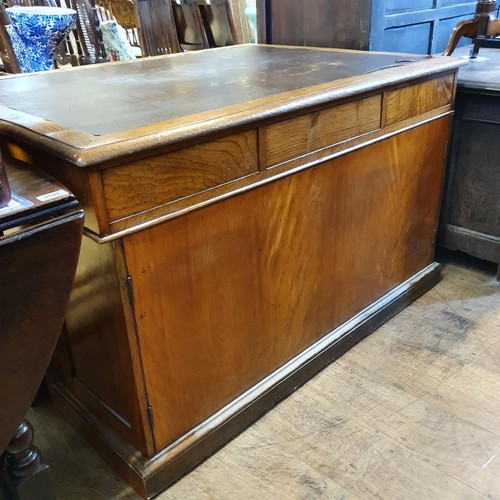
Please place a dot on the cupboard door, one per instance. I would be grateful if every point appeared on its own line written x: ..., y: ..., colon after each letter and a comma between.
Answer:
x: 227, y: 294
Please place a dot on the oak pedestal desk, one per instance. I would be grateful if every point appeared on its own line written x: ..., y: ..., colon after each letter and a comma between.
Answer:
x: 251, y: 213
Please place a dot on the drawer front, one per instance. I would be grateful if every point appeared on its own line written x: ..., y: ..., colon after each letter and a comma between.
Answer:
x: 304, y: 134
x: 145, y: 184
x: 417, y: 99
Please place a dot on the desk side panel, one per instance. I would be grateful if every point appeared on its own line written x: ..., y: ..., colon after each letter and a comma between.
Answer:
x: 96, y: 344
x: 227, y: 294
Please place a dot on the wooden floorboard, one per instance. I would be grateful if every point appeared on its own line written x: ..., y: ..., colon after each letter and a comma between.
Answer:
x: 412, y: 412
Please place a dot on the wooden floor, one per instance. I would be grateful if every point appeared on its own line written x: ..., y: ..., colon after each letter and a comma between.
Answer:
x: 412, y: 412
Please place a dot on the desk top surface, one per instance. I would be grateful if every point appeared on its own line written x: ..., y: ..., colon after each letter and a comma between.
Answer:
x: 173, y: 97
x: 482, y: 73
x: 110, y: 98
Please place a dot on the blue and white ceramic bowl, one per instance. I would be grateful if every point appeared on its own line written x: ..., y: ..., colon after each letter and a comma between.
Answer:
x: 41, y: 30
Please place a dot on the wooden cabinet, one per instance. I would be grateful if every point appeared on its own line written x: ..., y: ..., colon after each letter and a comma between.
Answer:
x: 238, y: 238
x: 412, y: 26
x: 471, y: 215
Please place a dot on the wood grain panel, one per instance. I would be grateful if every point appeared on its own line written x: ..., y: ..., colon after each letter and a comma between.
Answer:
x: 96, y: 342
x: 227, y: 294
x: 416, y: 99
x: 295, y: 137
x: 317, y: 23
x: 145, y: 184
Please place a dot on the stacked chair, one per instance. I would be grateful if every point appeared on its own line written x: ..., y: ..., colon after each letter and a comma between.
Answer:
x: 153, y: 27
x: 170, y: 26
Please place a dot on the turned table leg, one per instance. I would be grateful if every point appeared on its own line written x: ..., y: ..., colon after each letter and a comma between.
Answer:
x: 27, y: 477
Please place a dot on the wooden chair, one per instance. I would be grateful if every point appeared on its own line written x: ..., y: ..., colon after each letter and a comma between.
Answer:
x: 7, y: 54
x: 157, y: 30
x: 88, y: 35
x: 482, y: 26
x: 218, y: 22
x: 124, y: 13
x: 202, y: 25
x: 189, y: 25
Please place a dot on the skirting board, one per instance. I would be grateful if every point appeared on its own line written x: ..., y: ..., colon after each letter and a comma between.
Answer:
x: 150, y: 477
x: 481, y: 245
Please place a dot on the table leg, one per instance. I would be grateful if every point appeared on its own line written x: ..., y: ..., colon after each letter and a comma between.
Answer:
x: 27, y: 477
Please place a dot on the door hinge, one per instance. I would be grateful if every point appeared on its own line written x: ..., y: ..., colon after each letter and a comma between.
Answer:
x: 150, y: 417
x: 434, y: 237
x: 130, y: 290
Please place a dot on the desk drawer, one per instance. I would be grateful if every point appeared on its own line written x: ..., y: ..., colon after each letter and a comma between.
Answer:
x: 304, y: 134
x: 416, y: 99
x: 145, y: 184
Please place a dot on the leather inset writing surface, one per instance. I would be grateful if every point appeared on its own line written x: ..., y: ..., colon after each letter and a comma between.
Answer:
x: 143, y: 92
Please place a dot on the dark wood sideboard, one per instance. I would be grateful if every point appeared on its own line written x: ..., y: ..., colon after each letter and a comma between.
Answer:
x: 471, y: 214
x: 251, y: 213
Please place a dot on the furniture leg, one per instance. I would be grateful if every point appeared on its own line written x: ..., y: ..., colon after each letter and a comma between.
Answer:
x: 468, y: 28
x: 482, y: 26
x: 27, y: 476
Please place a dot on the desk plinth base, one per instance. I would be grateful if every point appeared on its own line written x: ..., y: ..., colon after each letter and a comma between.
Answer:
x: 151, y: 476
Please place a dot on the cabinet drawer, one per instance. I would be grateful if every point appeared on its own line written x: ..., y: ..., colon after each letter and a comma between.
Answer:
x: 145, y: 184
x: 420, y: 98
x: 304, y: 134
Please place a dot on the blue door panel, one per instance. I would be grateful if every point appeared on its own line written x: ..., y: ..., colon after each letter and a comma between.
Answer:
x: 394, y: 6
x: 419, y: 26
x: 413, y: 39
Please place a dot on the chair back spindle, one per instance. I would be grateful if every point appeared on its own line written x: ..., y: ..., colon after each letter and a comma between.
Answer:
x: 91, y: 47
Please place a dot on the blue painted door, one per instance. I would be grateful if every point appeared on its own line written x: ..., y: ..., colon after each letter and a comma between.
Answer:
x: 416, y: 26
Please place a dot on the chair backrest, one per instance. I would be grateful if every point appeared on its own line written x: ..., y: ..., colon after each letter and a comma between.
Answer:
x: 219, y: 23
x: 124, y: 13
x: 157, y: 29
x: 189, y: 25
x: 89, y: 38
